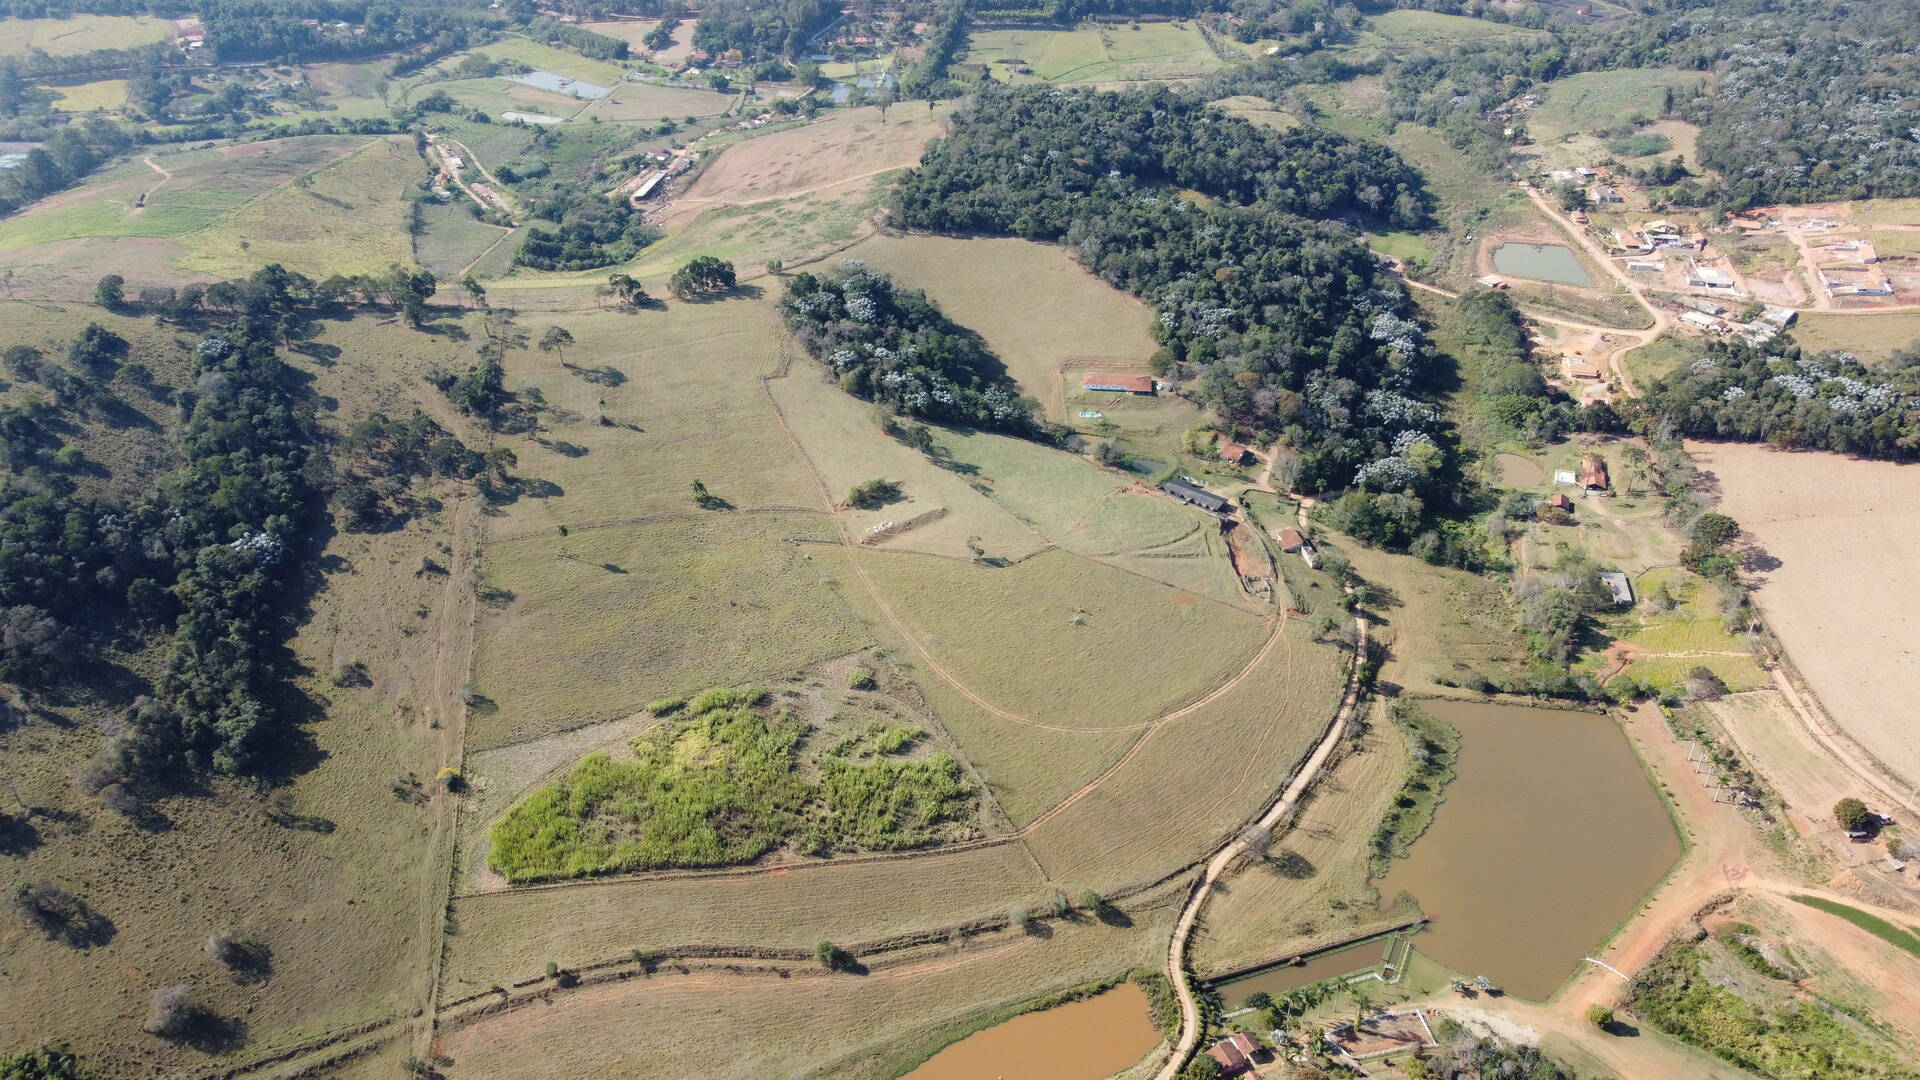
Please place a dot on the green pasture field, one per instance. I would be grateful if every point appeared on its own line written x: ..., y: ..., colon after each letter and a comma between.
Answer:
x: 337, y: 889
x: 1198, y: 777
x: 1037, y: 308
x: 549, y: 58
x: 496, y: 96
x: 1173, y: 646
x: 1693, y: 632
x: 1870, y: 212
x: 648, y: 102
x: 510, y: 935
x: 1598, y: 100
x: 102, y: 96
x: 351, y: 218
x: 79, y: 34
x: 1895, y: 244
x: 1658, y: 358
x: 1870, y: 336
x: 1273, y: 907
x: 204, y: 185
x: 1105, y: 53
x: 450, y: 238
x: 1427, y: 29
x: 1408, y: 247
x: 1457, y: 625
x: 865, y: 1028
x: 850, y: 68
x: 799, y: 231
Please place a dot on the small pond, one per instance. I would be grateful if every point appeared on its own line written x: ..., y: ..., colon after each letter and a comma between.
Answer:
x: 1276, y: 981
x: 530, y: 118
x: 560, y: 84
x: 1542, y: 262
x: 1081, y: 1040
x: 1548, y: 838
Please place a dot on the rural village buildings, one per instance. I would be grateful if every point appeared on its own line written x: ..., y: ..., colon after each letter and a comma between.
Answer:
x: 1235, y: 1053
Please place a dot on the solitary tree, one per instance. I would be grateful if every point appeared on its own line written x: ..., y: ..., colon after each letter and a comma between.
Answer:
x: 556, y: 340
x: 475, y: 291
x: 1600, y: 1016
x: 627, y: 289
x: 702, y: 274
x: 1851, y: 813
x: 110, y: 293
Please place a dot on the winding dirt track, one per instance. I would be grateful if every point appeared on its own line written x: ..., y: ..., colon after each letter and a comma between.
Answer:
x: 1217, y: 866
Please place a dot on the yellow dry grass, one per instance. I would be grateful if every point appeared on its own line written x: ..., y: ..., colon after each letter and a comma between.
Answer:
x: 1065, y: 640
x: 1843, y: 598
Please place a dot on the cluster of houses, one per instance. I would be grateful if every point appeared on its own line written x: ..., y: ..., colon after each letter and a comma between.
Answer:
x: 1850, y: 268
x: 1705, y: 314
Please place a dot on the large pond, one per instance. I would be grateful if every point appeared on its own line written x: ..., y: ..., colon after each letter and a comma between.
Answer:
x: 1081, y: 1040
x: 560, y: 84
x: 1542, y: 262
x: 1550, y: 835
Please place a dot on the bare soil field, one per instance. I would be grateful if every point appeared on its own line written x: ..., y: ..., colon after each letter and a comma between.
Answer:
x: 1037, y: 308
x: 848, y: 145
x: 1871, y: 337
x: 1835, y: 539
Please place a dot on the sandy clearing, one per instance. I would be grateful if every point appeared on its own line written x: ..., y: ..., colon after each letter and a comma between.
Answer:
x: 1843, y: 598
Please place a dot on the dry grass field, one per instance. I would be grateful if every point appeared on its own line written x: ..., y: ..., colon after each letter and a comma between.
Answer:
x: 508, y: 936
x: 338, y: 890
x: 79, y: 34
x: 1837, y: 591
x: 1270, y: 909
x: 609, y: 618
x: 1807, y: 778
x: 1036, y: 307
x: 1870, y: 336
x: 1094, y: 54
x: 635, y: 31
x: 869, y: 1026
x: 350, y: 218
x: 1063, y: 640
x: 840, y: 148
x: 1198, y: 777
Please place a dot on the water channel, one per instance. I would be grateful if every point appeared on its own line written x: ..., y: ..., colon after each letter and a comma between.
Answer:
x: 1550, y: 834
x: 1081, y: 1040
x: 1542, y: 262
x: 1276, y: 981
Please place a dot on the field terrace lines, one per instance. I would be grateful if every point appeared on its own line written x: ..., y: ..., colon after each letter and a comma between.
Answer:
x: 1177, y: 974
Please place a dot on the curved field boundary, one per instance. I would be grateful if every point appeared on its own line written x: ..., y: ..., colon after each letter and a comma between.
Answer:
x: 1177, y: 975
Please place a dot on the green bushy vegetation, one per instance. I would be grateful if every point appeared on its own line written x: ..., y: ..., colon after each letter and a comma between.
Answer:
x: 723, y: 784
x: 1775, y: 1033
x: 1871, y: 923
x: 1433, y: 746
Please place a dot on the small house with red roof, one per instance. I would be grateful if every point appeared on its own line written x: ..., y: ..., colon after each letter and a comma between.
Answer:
x: 1235, y: 453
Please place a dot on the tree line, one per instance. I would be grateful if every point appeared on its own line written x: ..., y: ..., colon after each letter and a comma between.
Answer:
x: 895, y: 347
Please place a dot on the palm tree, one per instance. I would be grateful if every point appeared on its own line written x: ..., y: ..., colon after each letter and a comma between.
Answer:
x: 1362, y: 1006
x: 556, y: 339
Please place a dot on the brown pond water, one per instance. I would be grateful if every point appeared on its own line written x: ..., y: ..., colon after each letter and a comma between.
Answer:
x: 1277, y: 981
x: 1548, y: 838
x: 1081, y: 1040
